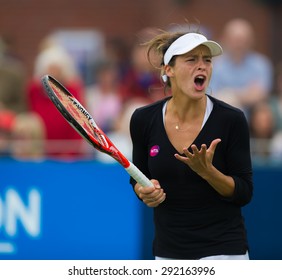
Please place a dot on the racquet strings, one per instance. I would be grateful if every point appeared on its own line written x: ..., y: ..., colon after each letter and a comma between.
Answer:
x: 82, y: 117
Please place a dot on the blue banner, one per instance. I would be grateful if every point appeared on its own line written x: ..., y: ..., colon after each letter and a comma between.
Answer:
x: 59, y: 210
x: 88, y: 210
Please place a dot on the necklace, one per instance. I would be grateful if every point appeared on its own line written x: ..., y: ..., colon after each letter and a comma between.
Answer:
x: 179, y: 129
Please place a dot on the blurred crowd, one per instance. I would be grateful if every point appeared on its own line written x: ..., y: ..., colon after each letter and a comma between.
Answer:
x: 31, y: 128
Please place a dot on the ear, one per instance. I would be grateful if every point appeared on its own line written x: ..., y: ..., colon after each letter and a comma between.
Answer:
x: 169, y: 71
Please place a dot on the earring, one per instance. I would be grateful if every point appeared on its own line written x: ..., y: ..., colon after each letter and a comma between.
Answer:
x: 164, y: 78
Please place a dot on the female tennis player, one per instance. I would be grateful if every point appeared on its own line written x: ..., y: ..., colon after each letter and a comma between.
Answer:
x: 196, y: 151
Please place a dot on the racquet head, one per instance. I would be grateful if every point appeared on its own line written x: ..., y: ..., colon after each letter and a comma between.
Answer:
x: 80, y: 119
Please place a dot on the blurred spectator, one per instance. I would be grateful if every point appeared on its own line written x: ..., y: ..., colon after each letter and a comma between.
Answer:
x: 28, y: 137
x: 275, y: 148
x: 241, y: 76
x: 276, y: 107
x: 120, y: 135
x: 7, y: 119
x: 142, y: 80
x: 117, y: 51
x: 276, y: 98
x: 102, y: 98
x: 262, y: 129
x: 55, y: 61
x: 12, y: 80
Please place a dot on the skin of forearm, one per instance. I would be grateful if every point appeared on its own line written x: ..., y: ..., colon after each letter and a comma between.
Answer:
x: 223, y: 184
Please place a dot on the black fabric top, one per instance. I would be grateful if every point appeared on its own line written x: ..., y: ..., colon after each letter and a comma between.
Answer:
x: 195, y: 221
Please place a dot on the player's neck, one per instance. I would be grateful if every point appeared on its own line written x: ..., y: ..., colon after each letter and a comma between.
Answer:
x: 187, y: 111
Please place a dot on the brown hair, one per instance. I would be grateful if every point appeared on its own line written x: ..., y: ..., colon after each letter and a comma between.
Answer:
x: 158, y: 47
x: 160, y: 44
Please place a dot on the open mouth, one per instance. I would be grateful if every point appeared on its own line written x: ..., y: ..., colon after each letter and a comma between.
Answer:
x: 199, y: 82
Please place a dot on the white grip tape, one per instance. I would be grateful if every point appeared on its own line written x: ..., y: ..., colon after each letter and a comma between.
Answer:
x: 138, y: 176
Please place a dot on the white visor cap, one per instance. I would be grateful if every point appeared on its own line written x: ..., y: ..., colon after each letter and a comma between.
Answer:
x: 187, y: 43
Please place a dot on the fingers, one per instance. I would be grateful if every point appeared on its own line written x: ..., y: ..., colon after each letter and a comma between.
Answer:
x: 181, y: 158
x: 214, y: 144
x: 196, y: 152
x: 188, y: 155
x: 154, y: 201
x: 151, y: 196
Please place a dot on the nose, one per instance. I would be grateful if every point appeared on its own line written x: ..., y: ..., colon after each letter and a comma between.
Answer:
x: 201, y: 64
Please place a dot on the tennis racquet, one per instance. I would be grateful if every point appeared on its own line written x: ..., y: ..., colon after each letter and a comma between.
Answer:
x: 84, y: 124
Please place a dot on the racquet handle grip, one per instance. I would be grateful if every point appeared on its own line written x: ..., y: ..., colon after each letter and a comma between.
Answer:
x: 138, y: 176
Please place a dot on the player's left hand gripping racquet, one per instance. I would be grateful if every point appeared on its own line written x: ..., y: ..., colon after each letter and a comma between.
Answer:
x: 85, y: 125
